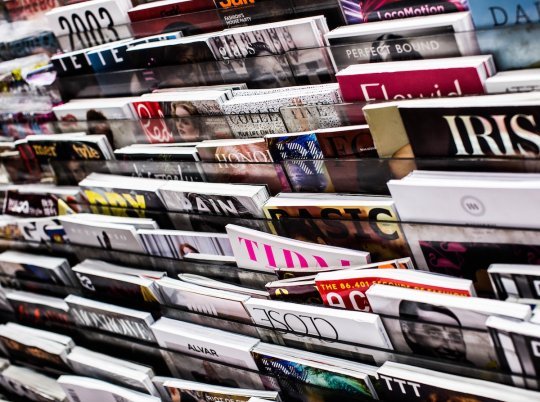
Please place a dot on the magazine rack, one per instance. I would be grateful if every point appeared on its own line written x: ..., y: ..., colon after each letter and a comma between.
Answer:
x: 76, y: 254
x: 167, y: 362
x: 459, y: 251
x: 307, y: 66
x: 364, y: 176
x: 176, y: 364
x: 98, y: 32
x: 126, y: 132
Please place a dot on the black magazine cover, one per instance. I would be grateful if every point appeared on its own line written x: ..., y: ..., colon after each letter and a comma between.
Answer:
x: 459, y: 131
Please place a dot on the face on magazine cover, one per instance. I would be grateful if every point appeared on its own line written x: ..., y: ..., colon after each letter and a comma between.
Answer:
x: 187, y: 128
x: 387, y: 46
x: 186, y: 248
x: 266, y: 70
x: 432, y: 331
x: 75, y: 171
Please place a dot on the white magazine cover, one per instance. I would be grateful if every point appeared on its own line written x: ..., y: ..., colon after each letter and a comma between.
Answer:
x: 201, y: 299
x: 31, y: 385
x: 217, y: 284
x: 42, y: 230
x: 139, y: 223
x: 108, y: 236
x: 518, y: 281
x: 518, y: 343
x: 514, y: 81
x: 85, y: 389
x: 38, y: 299
x: 320, y: 322
x: 111, y: 318
x: 53, y: 351
x: 207, y: 343
x: 468, y: 198
x: 236, y: 200
x: 109, y: 12
x: 441, y: 326
x: 420, y: 37
x: 423, y: 385
x: 52, y: 336
x: 251, y: 49
x: 208, y: 392
x: 85, y: 362
x: 178, y: 244
x: 265, y: 252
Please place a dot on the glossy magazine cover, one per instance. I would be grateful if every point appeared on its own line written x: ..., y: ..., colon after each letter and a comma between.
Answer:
x: 302, y: 146
x: 303, y: 373
x: 350, y: 293
x: 384, y: 240
x: 360, y: 213
x: 467, y: 252
x: 271, y: 174
x: 358, y: 11
x: 429, y: 329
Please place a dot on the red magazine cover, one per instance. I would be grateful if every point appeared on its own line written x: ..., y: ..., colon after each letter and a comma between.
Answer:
x: 379, y: 10
x: 349, y: 291
x: 28, y: 9
x: 399, y: 85
x: 189, y: 24
x: 152, y: 122
x: 163, y: 9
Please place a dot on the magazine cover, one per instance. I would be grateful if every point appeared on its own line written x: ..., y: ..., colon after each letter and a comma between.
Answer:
x: 348, y: 142
x: 309, y: 118
x: 414, y: 384
x: 100, y: 191
x: 177, y: 170
x: 320, y: 323
x: 501, y: 43
x: 178, y: 244
x: 152, y: 122
x: 38, y: 310
x: 235, y: 151
x: 289, y: 371
x: 266, y: 252
x: 261, y: 51
x: 515, y: 281
x: 440, y: 326
x: 410, y: 39
x: 308, y: 176
x: 467, y: 252
x: 517, y: 344
x: 294, y: 146
x: 107, y: 236
x: 500, y: 13
x: 236, y: 13
x: 331, y: 207
x: 19, y: 10
x: 295, y: 291
x: 358, y: 11
x: 347, y: 290
x: 111, y: 318
x: 193, y: 368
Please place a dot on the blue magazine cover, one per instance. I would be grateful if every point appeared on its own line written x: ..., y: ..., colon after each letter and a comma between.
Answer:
x: 503, y: 13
